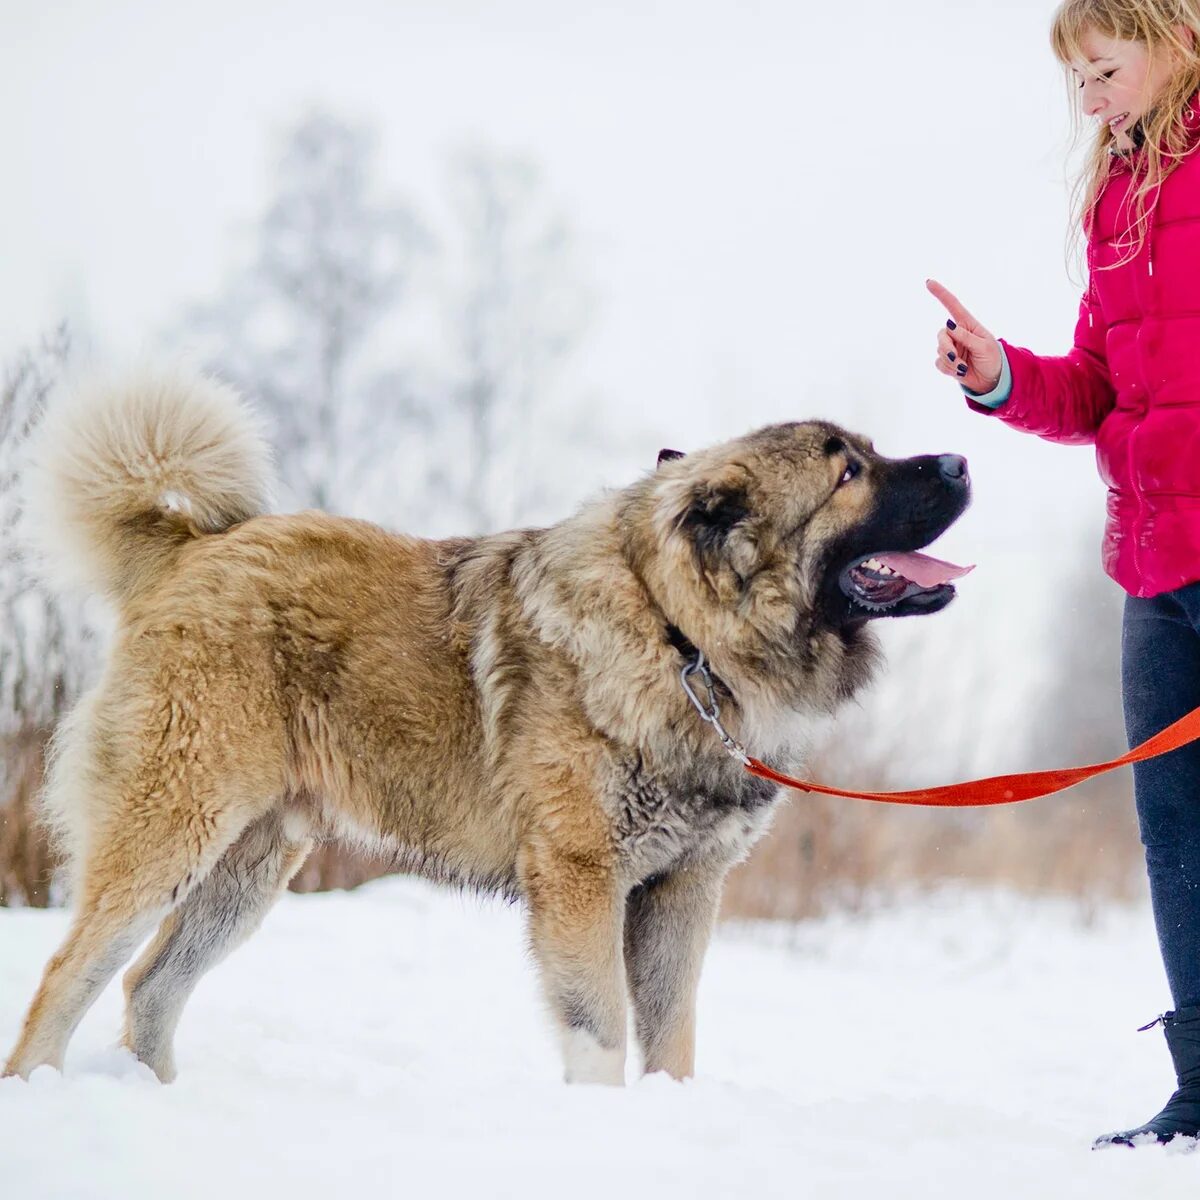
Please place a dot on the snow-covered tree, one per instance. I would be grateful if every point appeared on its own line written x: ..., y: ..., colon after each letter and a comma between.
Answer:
x: 48, y: 642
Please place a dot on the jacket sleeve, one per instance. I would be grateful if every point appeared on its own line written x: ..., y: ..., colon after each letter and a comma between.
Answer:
x: 1000, y: 393
x: 1061, y: 399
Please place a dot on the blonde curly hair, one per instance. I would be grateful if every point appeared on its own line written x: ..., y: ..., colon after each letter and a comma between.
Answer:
x: 1164, y: 27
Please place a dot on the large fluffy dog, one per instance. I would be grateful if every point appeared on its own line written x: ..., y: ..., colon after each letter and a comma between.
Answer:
x: 503, y: 711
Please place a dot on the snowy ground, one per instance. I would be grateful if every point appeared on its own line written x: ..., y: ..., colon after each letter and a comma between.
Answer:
x: 389, y: 1042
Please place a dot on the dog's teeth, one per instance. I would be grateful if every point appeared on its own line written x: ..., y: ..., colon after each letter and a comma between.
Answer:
x: 884, y: 570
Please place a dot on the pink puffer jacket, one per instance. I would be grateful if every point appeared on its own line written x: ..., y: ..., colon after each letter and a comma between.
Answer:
x: 1131, y: 384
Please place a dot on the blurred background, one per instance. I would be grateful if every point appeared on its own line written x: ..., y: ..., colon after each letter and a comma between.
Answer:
x: 475, y: 261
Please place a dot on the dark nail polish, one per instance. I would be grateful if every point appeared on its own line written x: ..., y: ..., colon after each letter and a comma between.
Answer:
x: 951, y: 356
x: 951, y: 325
x: 961, y: 368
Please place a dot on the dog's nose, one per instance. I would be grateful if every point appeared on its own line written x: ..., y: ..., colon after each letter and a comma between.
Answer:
x: 953, y: 467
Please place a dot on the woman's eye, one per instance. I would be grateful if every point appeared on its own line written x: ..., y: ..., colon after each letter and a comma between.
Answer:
x: 852, y: 469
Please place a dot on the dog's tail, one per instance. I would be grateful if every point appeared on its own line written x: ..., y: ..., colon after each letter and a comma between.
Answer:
x: 123, y: 476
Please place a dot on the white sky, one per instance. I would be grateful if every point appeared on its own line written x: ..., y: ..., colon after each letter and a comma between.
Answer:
x: 759, y: 191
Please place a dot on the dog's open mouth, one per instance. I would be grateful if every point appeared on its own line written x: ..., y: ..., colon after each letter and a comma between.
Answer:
x: 899, y: 582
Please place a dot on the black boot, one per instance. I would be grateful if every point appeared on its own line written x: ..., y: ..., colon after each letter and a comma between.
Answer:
x: 1181, y: 1116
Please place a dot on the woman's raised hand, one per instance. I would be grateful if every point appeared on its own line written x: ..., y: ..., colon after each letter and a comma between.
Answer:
x: 966, y: 351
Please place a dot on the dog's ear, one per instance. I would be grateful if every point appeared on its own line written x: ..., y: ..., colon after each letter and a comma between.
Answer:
x: 717, y: 521
x: 715, y: 511
x: 668, y: 456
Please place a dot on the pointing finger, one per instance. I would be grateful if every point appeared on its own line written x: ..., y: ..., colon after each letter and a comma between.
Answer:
x: 952, y: 304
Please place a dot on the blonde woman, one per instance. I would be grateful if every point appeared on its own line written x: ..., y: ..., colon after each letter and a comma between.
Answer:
x: 1130, y: 385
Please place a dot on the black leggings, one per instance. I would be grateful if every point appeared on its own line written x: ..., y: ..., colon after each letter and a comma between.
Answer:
x: 1160, y: 667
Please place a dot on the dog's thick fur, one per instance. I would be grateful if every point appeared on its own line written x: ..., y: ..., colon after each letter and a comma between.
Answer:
x: 502, y: 711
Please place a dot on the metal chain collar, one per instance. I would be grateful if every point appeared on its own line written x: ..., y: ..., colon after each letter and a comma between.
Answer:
x: 711, y: 711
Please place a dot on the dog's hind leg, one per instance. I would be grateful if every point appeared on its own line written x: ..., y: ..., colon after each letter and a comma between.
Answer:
x: 576, y: 911
x: 668, y: 923
x: 219, y: 914
x: 122, y: 901
x: 150, y: 842
x: 103, y: 935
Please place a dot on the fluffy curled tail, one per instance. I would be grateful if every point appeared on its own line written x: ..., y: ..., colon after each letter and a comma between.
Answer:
x: 124, y: 475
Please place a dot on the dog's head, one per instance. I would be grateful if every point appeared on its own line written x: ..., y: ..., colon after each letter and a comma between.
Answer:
x: 787, y: 542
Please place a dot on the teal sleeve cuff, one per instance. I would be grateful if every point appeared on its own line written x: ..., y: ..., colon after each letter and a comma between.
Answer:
x: 1001, y: 392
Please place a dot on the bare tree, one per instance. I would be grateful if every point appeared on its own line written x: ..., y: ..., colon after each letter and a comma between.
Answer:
x: 516, y: 310
x: 48, y: 643
x: 327, y: 265
x: 407, y: 373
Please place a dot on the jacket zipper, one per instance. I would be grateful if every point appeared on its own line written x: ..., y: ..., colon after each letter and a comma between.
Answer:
x: 1138, y: 498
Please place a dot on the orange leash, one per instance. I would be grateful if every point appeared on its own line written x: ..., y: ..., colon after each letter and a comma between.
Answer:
x: 997, y: 789
x: 1003, y: 789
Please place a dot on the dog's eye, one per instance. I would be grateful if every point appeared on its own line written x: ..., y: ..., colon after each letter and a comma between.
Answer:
x: 852, y: 469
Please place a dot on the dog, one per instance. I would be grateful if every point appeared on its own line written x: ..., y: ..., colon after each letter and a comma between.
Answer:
x: 505, y: 712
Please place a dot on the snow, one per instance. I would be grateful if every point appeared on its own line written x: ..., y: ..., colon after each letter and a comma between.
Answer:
x: 390, y: 1041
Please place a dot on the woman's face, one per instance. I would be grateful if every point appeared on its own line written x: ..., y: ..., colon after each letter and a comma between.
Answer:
x: 1120, y: 81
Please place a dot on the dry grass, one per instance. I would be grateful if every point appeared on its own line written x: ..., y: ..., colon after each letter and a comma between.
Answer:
x: 828, y: 852
x: 26, y: 864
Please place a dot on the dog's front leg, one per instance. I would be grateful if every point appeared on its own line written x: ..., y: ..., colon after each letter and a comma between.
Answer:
x: 668, y: 923
x: 576, y: 914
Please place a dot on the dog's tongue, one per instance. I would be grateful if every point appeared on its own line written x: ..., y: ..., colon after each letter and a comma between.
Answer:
x: 921, y: 569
